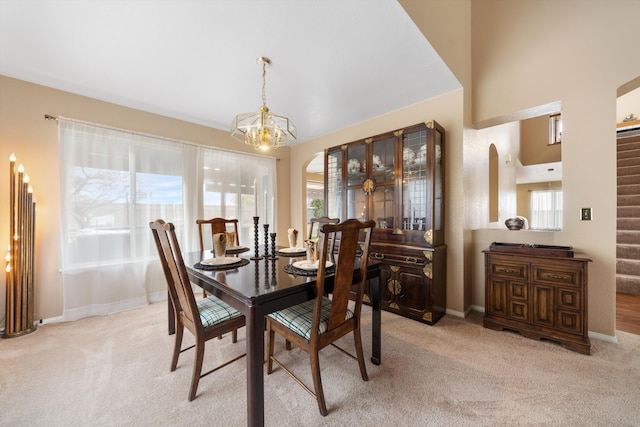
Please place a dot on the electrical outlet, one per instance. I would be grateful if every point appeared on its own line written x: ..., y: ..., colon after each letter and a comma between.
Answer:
x: 585, y: 214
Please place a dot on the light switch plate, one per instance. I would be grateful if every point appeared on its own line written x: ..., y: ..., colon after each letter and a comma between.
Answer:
x: 585, y: 214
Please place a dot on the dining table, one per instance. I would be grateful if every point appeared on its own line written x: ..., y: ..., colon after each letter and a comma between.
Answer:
x: 257, y: 287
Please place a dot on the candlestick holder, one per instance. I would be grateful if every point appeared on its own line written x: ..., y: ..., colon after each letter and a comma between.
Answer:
x: 266, y: 240
x: 255, y: 237
x: 273, y: 246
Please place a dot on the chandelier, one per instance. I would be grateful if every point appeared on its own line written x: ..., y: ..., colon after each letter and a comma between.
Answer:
x: 263, y: 129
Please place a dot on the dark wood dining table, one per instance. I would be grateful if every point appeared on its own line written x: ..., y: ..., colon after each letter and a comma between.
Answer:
x: 262, y: 287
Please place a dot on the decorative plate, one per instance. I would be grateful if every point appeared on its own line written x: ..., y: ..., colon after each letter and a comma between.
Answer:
x: 310, y: 265
x: 228, y: 260
x: 292, y: 250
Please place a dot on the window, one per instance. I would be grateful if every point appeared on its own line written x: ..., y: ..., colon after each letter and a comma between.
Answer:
x: 114, y: 182
x: 546, y: 209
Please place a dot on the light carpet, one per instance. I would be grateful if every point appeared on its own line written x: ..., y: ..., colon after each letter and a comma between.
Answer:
x: 114, y: 371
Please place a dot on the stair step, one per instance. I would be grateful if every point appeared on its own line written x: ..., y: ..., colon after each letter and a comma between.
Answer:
x: 629, y: 170
x: 628, y: 179
x: 634, y: 161
x: 623, y: 147
x: 628, y: 267
x: 628, y: 251
x: 628, y: 224
x: 628, y: 211
x: 628, y: 190
x: 629, y: 152
x: 628, y: 284
x: 628, y: 237
x: 628, y: 200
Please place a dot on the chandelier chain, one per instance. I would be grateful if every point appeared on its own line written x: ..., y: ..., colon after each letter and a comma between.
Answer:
x: 264, y: 83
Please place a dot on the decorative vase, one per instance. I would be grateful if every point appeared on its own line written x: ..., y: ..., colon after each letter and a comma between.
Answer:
x: 514, y: 223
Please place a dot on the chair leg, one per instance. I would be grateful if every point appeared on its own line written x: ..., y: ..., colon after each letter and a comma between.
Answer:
x: 234, y: 336
x: 287, y: 345
x: 271, y: 335
x: 360, y: 355
x: 176, y: 345
x: 317, y: 382
x: 197, y: 368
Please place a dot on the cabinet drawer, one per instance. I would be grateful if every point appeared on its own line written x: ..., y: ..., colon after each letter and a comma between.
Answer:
x: 557, y: 275
x: 408, y: 259
x: 507, y: 269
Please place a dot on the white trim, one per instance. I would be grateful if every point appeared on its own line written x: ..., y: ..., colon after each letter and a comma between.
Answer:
x: 603, y: 337
x: 103, y: 309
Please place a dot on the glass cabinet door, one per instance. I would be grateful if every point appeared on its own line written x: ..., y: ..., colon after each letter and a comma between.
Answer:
x: 356, y: 158
x: 383, y: 174
x: 333, y: 186
x: 382, y: 160
x: 356, y: 204
x: 415, y: 182
x: 438, y: 209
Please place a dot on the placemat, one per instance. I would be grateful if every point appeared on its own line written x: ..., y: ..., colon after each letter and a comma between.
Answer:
x: 211, y: 267
x: 290, y: 269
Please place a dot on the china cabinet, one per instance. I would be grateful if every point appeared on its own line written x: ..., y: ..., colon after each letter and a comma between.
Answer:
x: 539, y: 291
x: 397, y: 180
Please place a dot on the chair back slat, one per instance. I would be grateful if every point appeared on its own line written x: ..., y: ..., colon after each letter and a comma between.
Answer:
x: 217, y: 225
x: 178, y: 282
x: 348, y: 234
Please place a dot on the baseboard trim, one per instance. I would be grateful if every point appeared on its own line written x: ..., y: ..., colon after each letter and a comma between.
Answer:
x: 603, y: 337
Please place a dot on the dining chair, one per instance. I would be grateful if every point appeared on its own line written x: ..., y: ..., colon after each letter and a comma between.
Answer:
x: 319, y: 322
x: 217, y: 225
x: 316, y: 223
x: 205, y: 318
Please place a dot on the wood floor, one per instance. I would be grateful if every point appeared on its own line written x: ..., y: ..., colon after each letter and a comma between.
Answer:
x: 628, y: 313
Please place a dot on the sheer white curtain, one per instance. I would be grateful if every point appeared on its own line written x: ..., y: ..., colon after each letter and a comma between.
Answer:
x: 546, y: 209
x: 114, y: 182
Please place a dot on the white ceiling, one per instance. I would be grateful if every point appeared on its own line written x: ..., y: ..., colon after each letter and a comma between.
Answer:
x: 335, y: 62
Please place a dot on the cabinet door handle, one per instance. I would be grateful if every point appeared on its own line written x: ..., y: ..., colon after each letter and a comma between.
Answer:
x: 557, y: 276
x: 378, y: 256
x: 411, y: 259
x: 507, y: 270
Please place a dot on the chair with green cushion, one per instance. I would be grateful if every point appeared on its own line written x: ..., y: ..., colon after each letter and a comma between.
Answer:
x: 317, y: 323
x: 205, y: 318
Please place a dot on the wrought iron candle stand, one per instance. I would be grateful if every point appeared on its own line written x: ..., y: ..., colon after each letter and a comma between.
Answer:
x: 255, y: 237
x: 273, y: 246
x: 266, y: 240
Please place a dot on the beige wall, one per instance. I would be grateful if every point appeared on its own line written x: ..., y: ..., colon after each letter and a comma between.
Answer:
x: 526, y: 54
x: 534, y: 142
x: 34, y: 141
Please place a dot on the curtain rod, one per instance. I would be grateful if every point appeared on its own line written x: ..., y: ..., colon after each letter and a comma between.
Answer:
x: 50, y: 117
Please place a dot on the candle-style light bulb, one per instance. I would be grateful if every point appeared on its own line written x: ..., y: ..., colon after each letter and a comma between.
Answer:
x: 29, y: 189
x: 25, y: 179
x: 8, y: 257
x: 20, y: 168
x: 8, y: 268
x: 12, y: 157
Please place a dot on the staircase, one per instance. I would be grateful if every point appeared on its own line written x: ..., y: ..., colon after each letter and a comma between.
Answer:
x: 628, y: 223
